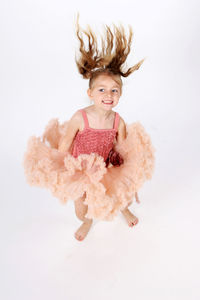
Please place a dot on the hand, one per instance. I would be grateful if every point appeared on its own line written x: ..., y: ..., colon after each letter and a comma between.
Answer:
x: 114, y: 158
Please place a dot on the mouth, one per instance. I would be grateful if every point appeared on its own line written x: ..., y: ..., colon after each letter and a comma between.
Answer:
x: 108, y: 102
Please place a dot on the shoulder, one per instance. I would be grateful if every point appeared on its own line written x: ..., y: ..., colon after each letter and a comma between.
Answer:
x: 76, y: 116
x: 122, y: 123
x: 76, y: 120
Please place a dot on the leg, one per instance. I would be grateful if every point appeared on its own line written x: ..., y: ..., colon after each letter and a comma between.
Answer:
x: 130, y: 218
x: 81, y: 210
x: 137, y: 198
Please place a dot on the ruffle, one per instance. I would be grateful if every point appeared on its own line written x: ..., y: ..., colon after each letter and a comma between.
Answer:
x: 108, y: 189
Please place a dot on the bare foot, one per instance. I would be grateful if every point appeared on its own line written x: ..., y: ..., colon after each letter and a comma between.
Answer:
x: 81, y: 233
x: 130, y: 218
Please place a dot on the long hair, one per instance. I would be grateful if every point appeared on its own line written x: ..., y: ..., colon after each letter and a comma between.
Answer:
x: 115, y: 47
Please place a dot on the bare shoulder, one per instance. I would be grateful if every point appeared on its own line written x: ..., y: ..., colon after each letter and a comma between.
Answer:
x: 76, y: 116
x: 76, y: 120
x: 122, y: 123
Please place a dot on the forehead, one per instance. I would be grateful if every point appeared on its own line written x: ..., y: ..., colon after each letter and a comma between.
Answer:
x: 106, y: 80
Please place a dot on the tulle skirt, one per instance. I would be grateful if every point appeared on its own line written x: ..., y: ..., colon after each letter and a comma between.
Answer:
x: 108, y: 189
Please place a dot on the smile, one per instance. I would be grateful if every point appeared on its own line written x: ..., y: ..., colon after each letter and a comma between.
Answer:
x: 108, y: 102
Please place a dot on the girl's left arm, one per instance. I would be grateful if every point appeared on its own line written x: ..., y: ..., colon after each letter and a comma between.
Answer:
x: 120, y: 137
x: 121, y: 134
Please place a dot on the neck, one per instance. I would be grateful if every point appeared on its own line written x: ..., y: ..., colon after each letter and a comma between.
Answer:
x: 101, y: 113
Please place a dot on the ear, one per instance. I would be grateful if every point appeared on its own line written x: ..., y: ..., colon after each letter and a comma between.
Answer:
x: 89, y: 92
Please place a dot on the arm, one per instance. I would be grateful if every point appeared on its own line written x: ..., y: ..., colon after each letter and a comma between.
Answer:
x: 121, y: 136
x: 114, y: 156
x: 72, y: 129
x: 121, y: 131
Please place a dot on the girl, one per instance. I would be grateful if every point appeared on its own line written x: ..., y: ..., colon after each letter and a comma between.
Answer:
x: 94, y: 158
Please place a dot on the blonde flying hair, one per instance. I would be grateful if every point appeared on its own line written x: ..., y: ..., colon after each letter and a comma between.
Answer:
x: 115, y: 47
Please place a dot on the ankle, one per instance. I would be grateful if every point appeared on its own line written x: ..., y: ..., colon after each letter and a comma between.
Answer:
x: 88, y: 221
x: 125, y: 210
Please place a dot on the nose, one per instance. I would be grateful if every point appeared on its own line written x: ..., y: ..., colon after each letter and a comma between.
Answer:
x: 109, y: 94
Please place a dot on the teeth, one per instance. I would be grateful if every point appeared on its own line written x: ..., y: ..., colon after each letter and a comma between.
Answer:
x: 107, y: 101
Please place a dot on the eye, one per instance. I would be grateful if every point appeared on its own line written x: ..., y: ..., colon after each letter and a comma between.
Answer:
x: 101, y: 90
x: 115, y: 90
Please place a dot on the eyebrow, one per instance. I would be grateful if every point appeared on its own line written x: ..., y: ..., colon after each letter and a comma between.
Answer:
x: 101, y: 85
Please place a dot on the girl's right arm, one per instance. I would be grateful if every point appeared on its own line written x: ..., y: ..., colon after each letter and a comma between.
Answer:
x: 72, y: 129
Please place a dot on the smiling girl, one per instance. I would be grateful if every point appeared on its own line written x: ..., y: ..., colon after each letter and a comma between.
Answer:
x: 95, y: 158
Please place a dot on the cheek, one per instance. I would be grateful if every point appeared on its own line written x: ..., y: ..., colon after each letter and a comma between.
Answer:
x: 100, y: 96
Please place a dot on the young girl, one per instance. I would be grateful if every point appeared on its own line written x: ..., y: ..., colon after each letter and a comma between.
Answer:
x: 95, y: 158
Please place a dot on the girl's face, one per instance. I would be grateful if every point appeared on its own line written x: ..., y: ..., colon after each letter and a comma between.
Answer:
x: 105, y: 92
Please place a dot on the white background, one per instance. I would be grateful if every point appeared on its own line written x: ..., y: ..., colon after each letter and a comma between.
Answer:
x: 158, y: 258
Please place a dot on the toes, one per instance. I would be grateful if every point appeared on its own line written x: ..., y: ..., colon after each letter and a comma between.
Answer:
x: 78, y: 237
x: 133, y: 223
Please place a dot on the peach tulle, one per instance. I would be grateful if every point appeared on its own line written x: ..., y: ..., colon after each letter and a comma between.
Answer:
x: 108, y: 189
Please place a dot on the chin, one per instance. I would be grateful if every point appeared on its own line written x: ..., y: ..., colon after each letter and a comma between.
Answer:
x: 108, y: 108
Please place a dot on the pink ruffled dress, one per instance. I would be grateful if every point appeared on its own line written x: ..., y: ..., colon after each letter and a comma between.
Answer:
x: 85, y: 169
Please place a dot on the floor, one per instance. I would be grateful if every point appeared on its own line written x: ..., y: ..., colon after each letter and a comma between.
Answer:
x: 156, y: 259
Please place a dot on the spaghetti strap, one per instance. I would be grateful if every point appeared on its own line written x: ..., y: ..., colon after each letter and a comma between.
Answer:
x: 85, y: 118
x: 116, y: 123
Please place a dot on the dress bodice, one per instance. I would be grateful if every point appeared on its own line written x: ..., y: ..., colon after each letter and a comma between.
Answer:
x: 94, y: 140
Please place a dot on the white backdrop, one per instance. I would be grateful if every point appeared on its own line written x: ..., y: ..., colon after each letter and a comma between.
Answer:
x: 158, y: 258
